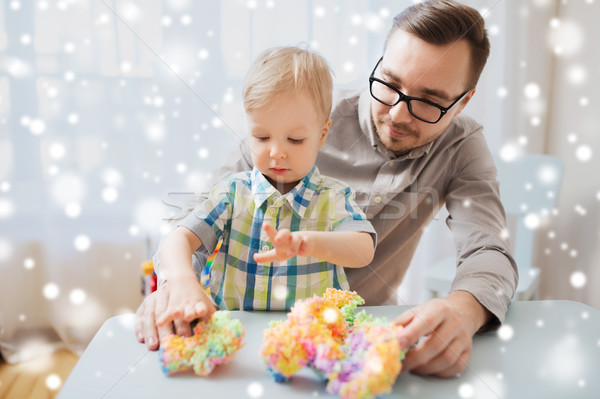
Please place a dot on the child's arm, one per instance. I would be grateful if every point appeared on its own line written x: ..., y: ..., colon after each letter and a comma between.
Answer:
x: 187, y: 300
x: 342, y: 248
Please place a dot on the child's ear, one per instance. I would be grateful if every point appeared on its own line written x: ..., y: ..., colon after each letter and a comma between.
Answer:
x: 324, y: 132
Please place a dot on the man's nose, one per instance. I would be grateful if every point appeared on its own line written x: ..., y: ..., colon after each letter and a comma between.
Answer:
x: 400, y: 113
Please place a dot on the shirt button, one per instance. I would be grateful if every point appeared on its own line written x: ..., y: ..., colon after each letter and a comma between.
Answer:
x: 378, y: 199
x: 265, y: 248
x: 273, y: 211
x: 260, y: 288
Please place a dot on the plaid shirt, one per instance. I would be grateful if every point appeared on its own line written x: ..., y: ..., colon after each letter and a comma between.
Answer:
x: 235, y: 211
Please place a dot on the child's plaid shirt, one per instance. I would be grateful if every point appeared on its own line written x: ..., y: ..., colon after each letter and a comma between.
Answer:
x: 236, y: 209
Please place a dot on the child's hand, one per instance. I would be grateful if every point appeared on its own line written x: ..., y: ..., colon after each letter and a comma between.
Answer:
x: 286, y: 245
x: 187, y: 301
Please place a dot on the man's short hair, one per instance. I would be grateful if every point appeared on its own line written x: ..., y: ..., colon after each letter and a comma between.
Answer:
x: 281, y: 70
x: 443, y: 22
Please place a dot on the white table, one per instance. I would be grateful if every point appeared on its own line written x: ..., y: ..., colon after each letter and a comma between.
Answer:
x: 546, y: 349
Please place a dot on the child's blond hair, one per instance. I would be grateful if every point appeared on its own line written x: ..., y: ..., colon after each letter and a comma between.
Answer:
x: 281, y: 70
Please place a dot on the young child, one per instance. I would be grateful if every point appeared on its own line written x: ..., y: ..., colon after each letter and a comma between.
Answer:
x: 287, y: 231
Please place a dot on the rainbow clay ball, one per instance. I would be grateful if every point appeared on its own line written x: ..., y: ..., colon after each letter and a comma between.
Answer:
x: 371, y: 365
x: 358, y: 355
x: 214, y: 342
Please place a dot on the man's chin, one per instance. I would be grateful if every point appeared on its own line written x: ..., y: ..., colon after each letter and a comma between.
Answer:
x: 394, y: 144
x: 398, y: 149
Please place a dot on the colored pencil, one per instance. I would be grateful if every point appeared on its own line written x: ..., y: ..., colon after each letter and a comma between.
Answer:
x: 205, y: 276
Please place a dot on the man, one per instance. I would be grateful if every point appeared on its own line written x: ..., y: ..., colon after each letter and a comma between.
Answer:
x: 401, y: 145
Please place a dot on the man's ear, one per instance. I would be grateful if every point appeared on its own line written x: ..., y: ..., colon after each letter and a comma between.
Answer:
x: 324, y: 132
x: 465, y: 101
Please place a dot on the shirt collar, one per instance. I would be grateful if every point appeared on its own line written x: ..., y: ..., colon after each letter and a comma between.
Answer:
x: 262, y: 190
x: 299, y: 197
x: 368, y: 127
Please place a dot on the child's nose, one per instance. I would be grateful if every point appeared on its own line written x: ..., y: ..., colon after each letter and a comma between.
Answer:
x: 277, y: 151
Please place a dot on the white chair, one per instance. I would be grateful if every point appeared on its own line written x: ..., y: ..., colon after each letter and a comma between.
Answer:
x: 529, y: 187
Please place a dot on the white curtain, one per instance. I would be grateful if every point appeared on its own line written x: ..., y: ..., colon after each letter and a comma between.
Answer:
x: 113, y: 113
x: 569, y: 252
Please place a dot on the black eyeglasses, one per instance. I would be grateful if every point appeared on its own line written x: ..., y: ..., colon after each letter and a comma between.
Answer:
x: 420, y: 108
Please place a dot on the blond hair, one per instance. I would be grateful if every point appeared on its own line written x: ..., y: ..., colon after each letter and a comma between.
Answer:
x: 279, y: 70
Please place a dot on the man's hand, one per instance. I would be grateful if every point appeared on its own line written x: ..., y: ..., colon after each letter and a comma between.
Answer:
x: 286, y: 245
x: 448, y: 325
x: 146, y: 327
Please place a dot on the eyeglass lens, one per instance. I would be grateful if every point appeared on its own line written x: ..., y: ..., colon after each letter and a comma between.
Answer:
x: 417, y: 108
